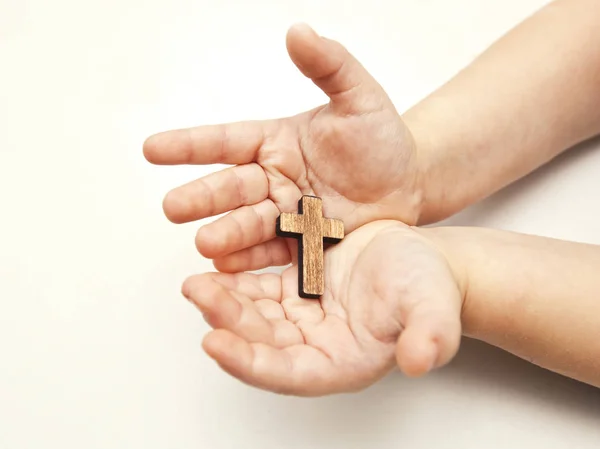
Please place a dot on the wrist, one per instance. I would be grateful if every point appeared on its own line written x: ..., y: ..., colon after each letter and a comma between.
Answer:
x: 439, y: 191
x: 447, y: 241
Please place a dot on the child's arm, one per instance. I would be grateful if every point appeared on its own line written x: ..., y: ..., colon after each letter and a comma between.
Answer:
x: 530, y: 96
x: 536, y: 297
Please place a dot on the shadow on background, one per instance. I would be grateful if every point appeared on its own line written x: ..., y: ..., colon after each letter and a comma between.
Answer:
x: 478, y: 363
x: 520, y: 198
x: 483, y: 393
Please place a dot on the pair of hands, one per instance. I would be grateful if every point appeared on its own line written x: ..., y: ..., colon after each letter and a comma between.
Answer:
x: 391, y: 296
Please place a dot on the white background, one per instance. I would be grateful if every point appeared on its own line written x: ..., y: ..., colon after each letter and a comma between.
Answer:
x: 97, y: 347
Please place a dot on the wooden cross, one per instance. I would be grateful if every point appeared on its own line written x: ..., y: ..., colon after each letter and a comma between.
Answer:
x: 311, y: 229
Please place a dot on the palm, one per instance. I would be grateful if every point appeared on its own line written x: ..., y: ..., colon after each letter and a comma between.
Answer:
x: 379, y: 306
x: 331, y: 155
x: 354, y: 152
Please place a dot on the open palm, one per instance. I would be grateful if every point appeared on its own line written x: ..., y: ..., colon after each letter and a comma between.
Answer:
x: 390, y: 297
x: 354, y: 152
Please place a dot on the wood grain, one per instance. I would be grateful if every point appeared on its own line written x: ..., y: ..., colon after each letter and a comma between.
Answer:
x: 311, y: 229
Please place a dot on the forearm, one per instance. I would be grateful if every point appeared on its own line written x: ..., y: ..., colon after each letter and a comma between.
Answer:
x: 535, y: 297
x: 530, y: 96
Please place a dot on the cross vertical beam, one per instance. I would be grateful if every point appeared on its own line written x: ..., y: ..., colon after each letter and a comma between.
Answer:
x: 311, y: 229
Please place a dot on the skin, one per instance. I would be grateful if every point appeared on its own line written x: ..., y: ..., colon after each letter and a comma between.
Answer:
x: 380, y: 310
x: 536, y: 297
x: 530, y: 96
x: 400, y: 296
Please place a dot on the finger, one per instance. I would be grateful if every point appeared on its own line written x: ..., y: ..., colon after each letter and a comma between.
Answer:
x: 273, y: 253
x: 247, y: 304
x: 232, y: 143
x: 242, y: 228
x: 299, y: 370
x: 254, y: 286
x: 273, y: 311
x: 217, y: 193
x: 228, y: 309
x: 335, y: 71
x: 431, y: 336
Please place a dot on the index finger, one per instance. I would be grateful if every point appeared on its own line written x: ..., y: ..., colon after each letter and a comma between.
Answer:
x: 231, y: 143
x: 298, y: 369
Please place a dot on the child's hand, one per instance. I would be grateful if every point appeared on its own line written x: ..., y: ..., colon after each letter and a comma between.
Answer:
x: 355, y: 153
x: 390, y: 298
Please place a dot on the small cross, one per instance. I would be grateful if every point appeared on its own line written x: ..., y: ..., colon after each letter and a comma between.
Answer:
x: 311, y: 229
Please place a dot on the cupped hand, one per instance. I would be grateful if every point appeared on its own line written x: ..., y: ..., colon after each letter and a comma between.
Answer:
x: 391, y: 298
x: 354, y: 152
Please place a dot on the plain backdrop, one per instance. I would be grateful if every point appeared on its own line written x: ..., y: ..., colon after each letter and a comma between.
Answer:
x: 97, y: 347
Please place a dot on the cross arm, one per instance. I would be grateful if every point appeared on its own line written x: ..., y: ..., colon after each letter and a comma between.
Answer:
x: 333, y: 230
x: 290, y: 224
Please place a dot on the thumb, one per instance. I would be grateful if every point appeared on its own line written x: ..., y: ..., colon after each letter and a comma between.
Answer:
x: 335, y: 71
x: 431, y: 335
